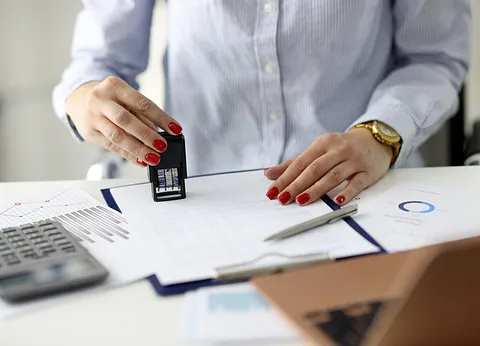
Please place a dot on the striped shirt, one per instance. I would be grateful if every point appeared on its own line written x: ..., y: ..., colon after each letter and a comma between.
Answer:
x: 255, y: 82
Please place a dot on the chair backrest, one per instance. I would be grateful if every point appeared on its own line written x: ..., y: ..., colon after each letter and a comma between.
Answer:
x: 456, y: 133
x: 446, y: 147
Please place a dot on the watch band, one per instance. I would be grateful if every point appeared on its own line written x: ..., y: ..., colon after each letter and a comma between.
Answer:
x: 372, y: 126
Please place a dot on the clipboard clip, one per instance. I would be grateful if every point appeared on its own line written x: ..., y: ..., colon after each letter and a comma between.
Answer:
x: 247, y: 270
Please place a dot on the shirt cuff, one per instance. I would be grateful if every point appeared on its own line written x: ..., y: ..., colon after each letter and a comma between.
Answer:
x: 398, y: 116
x: 64, y: 89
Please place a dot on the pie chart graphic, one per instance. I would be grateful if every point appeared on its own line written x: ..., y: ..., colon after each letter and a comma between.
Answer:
x: 419, y: 207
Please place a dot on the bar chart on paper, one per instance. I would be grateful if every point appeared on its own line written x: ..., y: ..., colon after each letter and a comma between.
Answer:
x: 232, y: 313
x: 82, y: 215
x: 236, y: 302
x: 102, y: 231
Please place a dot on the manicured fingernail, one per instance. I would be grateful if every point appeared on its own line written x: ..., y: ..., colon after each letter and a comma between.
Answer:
x: 152, y: 158
x: 176, y: 129
x: 284, y: 197
x: 265, y: 170
x: 340, y: 199
x: 144, y: 164
x: 303, y: 198
x: 272, y: 193
x: 159, y: 145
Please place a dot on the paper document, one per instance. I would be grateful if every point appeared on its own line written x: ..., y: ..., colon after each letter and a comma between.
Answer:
x: 103, y: 231
x: 223, y: 221
x: 233, y: 313
x: 409, y: 216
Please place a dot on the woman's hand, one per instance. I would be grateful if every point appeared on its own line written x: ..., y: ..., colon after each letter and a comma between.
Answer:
x: 333, y: 158
x: 114, y: 115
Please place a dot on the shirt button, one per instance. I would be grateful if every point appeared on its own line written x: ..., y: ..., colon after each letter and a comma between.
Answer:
x: 273, y: 116
x: 267, y: 8
x: 269, y: 68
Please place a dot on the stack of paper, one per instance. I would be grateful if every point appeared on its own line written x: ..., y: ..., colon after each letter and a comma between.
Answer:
x: 233, y: 313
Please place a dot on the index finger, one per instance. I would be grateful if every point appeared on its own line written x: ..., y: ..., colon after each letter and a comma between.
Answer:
x: 292, y: 172
x: 141, y: 105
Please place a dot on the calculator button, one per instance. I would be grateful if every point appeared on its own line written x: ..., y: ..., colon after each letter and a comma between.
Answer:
x: 57, y: 238
x: 13, y: 236
x: 44, y: 246
x: 56, y: 234
x: 20, y: 244
x: 63, y: 243
x: 9, y: 230
x: 45, y: 223
x: 27, y: 253
x: 70, y: 248
x: 52, y: 231
x: 12, y: 261
x: 10, y: 257
x: 26, y: 226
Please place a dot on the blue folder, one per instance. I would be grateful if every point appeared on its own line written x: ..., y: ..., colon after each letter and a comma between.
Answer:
x: 193, y: 285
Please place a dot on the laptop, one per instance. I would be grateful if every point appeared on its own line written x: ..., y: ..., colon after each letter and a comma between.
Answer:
x: 428, y: 296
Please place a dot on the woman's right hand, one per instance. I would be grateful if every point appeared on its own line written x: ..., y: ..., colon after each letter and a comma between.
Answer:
x: 114, y: 115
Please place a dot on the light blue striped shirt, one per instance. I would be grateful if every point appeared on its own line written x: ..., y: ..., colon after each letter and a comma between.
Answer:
x: 255, y: 82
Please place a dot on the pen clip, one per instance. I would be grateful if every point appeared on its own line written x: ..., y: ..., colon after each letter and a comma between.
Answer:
x: 344, y: 212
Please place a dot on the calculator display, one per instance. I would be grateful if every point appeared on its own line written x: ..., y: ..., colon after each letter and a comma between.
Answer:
x: 53, y: 273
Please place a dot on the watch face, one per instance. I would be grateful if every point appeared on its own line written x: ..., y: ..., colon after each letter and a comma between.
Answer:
x: 386, y: 130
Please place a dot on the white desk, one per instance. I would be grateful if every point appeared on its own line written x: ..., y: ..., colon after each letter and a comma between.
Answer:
x: 135, y: 315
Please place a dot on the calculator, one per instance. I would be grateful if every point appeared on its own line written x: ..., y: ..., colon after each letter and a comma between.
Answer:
x: 43, y: 258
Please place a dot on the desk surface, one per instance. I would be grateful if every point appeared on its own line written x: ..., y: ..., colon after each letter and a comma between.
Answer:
x: 134, y: 314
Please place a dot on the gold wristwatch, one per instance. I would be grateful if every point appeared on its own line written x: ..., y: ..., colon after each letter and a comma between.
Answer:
x: 385, y: 135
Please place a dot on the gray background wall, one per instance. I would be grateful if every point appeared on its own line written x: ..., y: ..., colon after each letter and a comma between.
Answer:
x: 35, y: 40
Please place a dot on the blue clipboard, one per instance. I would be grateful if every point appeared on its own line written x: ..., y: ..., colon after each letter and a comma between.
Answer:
x: 193, y: 285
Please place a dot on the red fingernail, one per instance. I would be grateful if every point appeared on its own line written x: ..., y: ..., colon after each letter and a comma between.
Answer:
x: 340, y: 199
x: 152, y: 158
x: 303, y: 198
x: 176, y: 129
x: 144, y: 164
x: 284, y: 197
x: 159, y: 145
x: 272, y: 193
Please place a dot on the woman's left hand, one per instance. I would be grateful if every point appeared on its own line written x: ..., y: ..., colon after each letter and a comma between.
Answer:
x: 355, y: 156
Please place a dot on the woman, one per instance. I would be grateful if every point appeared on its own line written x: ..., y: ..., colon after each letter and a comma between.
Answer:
x: 320, y: 91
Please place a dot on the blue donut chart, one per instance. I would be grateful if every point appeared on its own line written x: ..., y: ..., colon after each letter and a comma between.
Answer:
x: 404, y: 206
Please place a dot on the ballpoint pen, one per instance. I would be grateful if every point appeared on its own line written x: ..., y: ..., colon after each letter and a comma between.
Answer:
x: 332, y: 217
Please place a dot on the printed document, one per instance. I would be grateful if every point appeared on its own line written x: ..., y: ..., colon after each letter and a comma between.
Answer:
x: 409, y: 216
x: 232, y: 313
x: 223, y: 221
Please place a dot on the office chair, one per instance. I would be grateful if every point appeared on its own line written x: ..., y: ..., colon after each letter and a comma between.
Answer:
x: 456, y: 134
x: 472, y: 148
